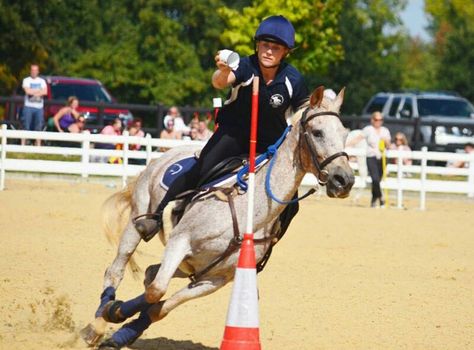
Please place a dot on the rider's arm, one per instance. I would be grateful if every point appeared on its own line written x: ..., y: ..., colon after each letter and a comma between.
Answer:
x: 223, y: 76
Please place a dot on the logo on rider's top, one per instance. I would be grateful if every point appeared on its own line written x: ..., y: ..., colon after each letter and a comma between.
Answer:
x: 276, y: 100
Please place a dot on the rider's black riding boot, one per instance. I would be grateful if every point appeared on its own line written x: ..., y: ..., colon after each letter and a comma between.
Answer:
x: 148, y: 226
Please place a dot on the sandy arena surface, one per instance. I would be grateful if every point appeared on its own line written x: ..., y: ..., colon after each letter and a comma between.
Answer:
x: 344, y: 277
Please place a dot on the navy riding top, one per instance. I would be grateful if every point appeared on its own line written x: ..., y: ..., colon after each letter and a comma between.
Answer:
x: 285, y: 93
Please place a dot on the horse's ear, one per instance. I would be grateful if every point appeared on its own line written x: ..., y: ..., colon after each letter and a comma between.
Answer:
x: 316, y: 97
x: 339, y: 99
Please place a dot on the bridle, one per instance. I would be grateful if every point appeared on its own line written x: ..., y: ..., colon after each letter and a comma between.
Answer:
x: 323, y: 174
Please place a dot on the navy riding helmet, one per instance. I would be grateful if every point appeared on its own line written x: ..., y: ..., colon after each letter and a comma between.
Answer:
x: 277, y: 29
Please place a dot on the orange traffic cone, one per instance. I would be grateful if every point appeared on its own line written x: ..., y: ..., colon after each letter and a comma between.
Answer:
x: 242, y: 326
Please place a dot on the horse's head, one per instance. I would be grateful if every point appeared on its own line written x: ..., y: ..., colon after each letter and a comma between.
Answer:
x: 322, y: 139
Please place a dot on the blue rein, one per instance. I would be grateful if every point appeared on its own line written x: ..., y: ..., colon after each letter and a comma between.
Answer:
x: 270, y: 153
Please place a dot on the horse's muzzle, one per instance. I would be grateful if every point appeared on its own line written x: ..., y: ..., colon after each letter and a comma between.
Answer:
x: 340, y: 182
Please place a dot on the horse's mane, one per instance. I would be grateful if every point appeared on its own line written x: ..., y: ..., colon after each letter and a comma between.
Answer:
x: 294, y: 119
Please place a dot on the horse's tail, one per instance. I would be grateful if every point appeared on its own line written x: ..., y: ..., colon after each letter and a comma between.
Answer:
x: 115, y: 214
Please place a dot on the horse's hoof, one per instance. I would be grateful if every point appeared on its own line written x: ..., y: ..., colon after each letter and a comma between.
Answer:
x: 109, y: 344
x: 111, y: 312
x: 90, y: 335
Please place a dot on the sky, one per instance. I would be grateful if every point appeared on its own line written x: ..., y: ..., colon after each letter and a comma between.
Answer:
x: 415, y: 19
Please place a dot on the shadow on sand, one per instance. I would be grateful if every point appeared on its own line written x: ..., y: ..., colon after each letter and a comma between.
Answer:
x: 167, y: 344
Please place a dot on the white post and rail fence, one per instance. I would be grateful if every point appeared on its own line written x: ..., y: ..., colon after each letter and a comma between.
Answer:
x: 85, y: 160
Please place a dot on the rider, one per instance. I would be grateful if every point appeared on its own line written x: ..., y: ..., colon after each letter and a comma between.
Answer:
x: 281, y: 88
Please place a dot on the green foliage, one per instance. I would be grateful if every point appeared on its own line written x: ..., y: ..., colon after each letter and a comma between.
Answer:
x: 150, y: 51
x: 420, y: 66
x: 453, y: 28
x: 372, y: 40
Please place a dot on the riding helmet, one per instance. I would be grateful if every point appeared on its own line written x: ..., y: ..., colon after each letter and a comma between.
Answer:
x: 276, y: 29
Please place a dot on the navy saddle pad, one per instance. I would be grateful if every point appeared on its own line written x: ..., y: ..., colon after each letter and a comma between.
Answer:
x: 181, y: 166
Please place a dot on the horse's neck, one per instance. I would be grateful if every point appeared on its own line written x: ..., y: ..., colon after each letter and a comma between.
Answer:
x: 286, y: 174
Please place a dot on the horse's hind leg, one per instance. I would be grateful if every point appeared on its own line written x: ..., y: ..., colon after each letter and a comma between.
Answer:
x: 113, y: 276
x: 131, y: 331
x: 118, y: 311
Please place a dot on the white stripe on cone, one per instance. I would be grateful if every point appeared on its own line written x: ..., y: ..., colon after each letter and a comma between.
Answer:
x: 243, y: 307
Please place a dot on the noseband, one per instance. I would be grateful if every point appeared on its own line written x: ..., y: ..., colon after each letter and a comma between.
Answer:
x: 323, y: 174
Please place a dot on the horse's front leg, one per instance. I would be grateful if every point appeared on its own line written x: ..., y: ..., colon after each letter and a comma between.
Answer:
x: 176, y: 250
x: 131, y: 331
x: 93, y: 332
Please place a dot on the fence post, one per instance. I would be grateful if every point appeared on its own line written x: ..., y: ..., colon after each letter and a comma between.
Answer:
x: 148, y: 148
x: 159, y: 119
x: 399, y: 181
x: 470, y: 177
x: 126, y: 143
x: 424, y: 162
x: 3, y: 157
x: 86, y: 145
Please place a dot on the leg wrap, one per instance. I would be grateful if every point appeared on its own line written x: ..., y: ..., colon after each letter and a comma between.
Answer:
x: 107, y: 295
x: 131, y: 331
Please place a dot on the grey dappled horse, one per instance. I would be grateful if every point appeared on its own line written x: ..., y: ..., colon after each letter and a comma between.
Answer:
x: 315, y: 144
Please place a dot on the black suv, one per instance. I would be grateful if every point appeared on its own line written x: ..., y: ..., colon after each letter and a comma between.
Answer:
x: 445, y: 120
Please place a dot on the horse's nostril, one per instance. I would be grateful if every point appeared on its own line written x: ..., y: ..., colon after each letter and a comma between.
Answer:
x: 339, y: 180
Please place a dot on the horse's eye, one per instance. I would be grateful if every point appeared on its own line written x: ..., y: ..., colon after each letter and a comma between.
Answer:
x: 317, y: 133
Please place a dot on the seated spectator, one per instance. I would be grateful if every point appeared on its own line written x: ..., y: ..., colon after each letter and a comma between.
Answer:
x: 135, y: 129
x: 170, y: 131
x: 114, y: 129
x: 204, y: 133
x: 68, y: 119
x: 469, y: 149
x: 179, y: 125
x: 193, y: 134
x: 401, y: 144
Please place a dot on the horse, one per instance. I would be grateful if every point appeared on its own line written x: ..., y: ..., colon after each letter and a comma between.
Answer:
x: 198, y: 245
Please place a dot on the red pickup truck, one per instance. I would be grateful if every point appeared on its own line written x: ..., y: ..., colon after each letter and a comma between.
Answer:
x: 86, y: 90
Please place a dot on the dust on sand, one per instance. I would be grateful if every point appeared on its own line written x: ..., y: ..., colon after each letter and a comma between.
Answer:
x: 344, y: 277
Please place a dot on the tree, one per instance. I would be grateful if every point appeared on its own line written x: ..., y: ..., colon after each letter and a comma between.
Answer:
x: 453, y: 27
x: 372, y: 41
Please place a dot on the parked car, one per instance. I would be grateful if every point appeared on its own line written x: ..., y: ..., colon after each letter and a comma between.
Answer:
x: 86, y: 90
x: 454, y: 113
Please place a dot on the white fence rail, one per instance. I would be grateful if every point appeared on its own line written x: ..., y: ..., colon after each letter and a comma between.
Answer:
x: 88, y: 164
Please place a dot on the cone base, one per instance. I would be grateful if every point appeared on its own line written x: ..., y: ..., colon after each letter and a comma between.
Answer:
x: 239, y: 345
x: 241, y: 338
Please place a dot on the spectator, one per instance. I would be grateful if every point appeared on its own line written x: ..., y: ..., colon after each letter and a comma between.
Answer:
x: 203, y: 133
x: 179, y: 125
x: 170, y: 131
x: 135, y: 129
x: 68, y: 119
x: 469, y: 149
x: 401, y: 144
x: 33, y: 115
x: 193, y: 134
x: 378, y: 139
x: 114, y: 129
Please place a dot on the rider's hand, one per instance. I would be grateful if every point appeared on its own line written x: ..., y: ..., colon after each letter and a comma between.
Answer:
x: 221, y: 65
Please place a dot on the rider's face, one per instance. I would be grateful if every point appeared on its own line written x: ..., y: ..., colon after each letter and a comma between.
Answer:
x: 270, y: 54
